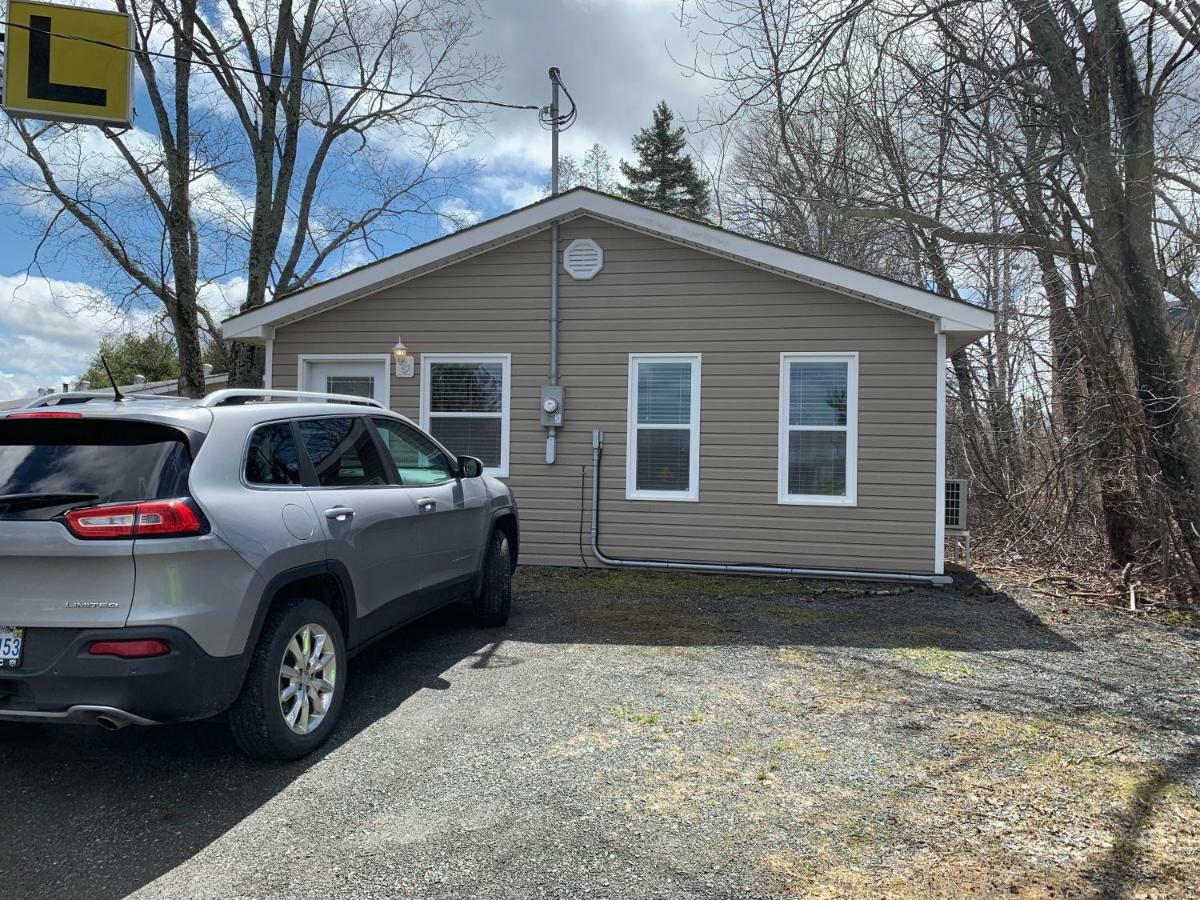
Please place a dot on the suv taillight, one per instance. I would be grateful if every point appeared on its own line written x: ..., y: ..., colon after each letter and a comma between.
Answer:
x: 150, y: 518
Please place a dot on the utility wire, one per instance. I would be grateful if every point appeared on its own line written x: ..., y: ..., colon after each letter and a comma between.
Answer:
x: 424, y: 95
x: 564, y: 120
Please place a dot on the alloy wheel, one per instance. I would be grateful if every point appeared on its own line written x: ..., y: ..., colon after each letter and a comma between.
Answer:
x: 307, y: 677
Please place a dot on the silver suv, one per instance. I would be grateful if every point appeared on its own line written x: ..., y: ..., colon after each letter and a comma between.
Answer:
x: 165, y: 560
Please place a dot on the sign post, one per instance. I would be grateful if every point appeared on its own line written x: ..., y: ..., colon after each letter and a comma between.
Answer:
x: 68, y: 64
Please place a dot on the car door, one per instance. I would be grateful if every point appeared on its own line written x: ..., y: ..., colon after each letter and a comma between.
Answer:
x: 371, y: 524
x: 452, y: 510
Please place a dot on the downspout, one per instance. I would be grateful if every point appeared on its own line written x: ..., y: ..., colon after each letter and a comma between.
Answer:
x: 730, y: 568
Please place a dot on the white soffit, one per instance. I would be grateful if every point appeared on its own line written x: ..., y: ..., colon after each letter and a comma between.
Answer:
x: 951, y: 315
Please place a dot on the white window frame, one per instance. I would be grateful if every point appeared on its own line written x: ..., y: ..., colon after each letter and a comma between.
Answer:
x: 692, y: 494
x: 304, y: 362
x: 850, y: 428
x: 505, y: 359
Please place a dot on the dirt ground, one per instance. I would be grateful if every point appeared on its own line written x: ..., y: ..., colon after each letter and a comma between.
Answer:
x: 639, y: 735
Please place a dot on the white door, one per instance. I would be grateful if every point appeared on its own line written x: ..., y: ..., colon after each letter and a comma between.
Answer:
x: 360, y: 378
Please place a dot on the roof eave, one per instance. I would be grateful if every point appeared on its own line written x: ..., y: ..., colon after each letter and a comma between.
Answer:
x: 257, y: 325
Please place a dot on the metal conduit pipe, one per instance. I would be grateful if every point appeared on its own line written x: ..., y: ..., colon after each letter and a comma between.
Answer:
x: 730, y: 568
x: 551, y: 431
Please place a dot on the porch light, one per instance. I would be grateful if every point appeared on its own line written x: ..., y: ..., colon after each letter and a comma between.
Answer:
x: 404, y: 362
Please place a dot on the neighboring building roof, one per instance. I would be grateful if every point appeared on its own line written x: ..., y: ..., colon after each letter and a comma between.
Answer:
x: 147, y: 387
x: 257, y: 325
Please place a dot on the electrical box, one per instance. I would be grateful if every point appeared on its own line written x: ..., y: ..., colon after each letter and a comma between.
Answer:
x: 552, y: 405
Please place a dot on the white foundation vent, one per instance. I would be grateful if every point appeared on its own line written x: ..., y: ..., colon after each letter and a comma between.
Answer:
x: 583, y: 259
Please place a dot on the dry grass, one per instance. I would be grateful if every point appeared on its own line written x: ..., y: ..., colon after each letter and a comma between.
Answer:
x: 850, y: 744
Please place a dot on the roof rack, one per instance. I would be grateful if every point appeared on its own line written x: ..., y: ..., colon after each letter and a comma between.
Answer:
x: 236, y: 396
x: 67, y: 398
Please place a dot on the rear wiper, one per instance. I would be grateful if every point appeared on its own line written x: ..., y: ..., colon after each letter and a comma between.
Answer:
x: 33, y: 501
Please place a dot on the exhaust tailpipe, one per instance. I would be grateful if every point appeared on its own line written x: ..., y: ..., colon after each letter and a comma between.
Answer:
x: 108, y: 723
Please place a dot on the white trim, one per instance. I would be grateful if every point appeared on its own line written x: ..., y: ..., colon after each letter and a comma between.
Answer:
x: 304, y: 360
x: 505, y: 359
x: 850, y: 498
x: 631, y: 429
x: 939, y: 505
x: 269, y: 363
x: 952, y: 315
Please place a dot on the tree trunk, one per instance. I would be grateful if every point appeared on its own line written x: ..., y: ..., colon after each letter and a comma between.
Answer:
x: 1119, y: 186
x: 247, y: 363
x: 187, y: 340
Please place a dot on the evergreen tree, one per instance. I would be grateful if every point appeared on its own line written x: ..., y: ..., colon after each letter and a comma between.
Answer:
x: 664, y: 176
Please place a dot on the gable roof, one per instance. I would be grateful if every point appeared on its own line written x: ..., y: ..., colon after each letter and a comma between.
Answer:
x: 964, y: 321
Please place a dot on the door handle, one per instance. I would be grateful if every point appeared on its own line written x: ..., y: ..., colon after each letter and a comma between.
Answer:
x: 339, y: 513
x: 426, y: 504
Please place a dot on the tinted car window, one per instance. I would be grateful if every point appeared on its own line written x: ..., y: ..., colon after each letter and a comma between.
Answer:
x: 342, y: 451
x: 272, y: 457
x: 418, y: 459
x: 111, y: 461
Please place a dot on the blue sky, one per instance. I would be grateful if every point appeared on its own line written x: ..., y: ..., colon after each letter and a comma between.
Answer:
x: 614, y: 57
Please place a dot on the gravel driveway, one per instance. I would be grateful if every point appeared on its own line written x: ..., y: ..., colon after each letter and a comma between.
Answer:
x: 632, y: 735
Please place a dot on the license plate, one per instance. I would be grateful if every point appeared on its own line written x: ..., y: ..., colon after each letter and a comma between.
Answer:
x: 12, y: 639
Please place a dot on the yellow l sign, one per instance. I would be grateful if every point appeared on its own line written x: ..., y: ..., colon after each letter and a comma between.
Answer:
x: 50, y: 75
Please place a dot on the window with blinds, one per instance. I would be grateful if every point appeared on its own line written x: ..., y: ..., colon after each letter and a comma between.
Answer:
x: 663, y: 455
x: 465, y: 405
x: 354, y: 385
x: 818, y: 428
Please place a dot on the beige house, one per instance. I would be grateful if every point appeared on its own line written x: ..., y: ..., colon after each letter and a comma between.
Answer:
x: 748, y: 405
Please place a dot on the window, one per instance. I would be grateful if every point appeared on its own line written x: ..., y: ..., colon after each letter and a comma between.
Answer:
x: 100, y: 460
x: 272, y: 457
x: 818, y: 428
x: 418, y: 459
x: 357, y: 374
x: 356, y: 386
x: 465, y: 404
x: 342, y: 452
x: 663, y: 456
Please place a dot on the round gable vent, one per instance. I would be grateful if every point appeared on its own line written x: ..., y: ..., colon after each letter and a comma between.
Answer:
x: 583, y: 259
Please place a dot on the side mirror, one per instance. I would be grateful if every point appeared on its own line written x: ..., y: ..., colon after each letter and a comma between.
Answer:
x: 469, y: 467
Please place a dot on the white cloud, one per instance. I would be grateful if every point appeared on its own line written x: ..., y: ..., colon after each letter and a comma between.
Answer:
x: 87, y: 163
x: 49, y: 331
x: 458, y: 213
x: 510, y: 190
x: 224, y: 298
x: 615, y: 58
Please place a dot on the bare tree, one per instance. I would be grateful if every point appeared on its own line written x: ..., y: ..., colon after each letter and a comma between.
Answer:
x: 283, y: 140
x: 593, y: 170
x: 1008, y: 149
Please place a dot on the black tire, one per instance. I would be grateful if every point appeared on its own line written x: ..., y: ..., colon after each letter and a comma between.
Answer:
x: 256, y: 717
x: 494, y: 603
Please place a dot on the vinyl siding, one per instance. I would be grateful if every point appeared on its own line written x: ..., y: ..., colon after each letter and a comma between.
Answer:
x: 657, y: 297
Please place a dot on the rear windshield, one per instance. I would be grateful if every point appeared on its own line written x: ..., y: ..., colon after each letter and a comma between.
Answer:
x: 87, y: 461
